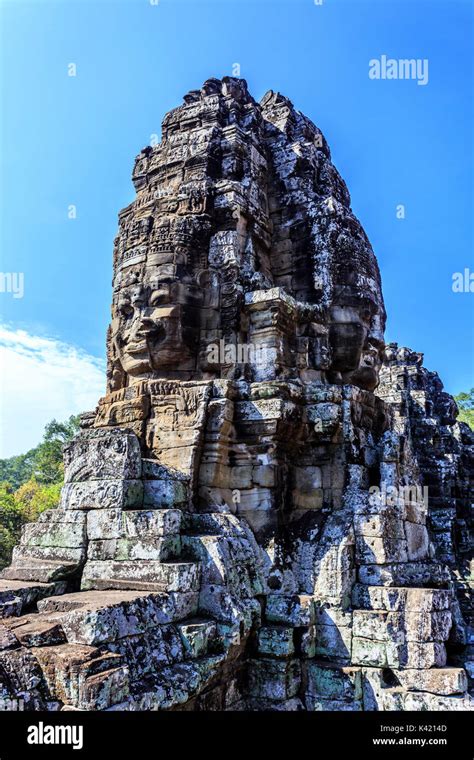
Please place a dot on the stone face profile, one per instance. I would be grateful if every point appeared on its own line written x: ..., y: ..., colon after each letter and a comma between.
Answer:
x: 238, y: 206
x: 269, y: 508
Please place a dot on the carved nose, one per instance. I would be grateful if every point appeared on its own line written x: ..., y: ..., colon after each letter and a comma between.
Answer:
x: 136, y: 300
x: 144, y: 326
x: 155, y: 332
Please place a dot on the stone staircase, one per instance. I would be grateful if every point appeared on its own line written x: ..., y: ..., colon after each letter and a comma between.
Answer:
x: 386, y: 657
x: 153, y: 607
x: 114, y: 608
x: 111, y: 644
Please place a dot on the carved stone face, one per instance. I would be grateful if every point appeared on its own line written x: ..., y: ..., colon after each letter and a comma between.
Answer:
x: 367, y: 374
x: 155, y: 326
x: 356, y: 338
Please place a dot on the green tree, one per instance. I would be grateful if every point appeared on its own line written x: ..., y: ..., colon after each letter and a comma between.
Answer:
x: 10, y: 523
x: 465, y: 402
x: 32, y: 498
x: 22, y: 506
x: 45, y: 462
x: 48, y: 459
x: 17, y: 470
x: 8, y: 539
x: 31, y: 483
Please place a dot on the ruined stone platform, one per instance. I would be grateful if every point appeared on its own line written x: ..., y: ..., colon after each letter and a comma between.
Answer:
x: 269, y: 509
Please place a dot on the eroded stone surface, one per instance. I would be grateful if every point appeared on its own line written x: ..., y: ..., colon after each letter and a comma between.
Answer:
x: 235, y: 530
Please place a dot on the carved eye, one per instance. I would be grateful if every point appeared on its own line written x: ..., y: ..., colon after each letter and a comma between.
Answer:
x: 158, y: 297
x: 126, y: 310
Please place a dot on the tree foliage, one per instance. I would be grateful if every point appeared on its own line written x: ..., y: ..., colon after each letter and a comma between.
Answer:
x: 10, y: 523
x: 31, y: 483
x: 32, y: 498
x: 43, y: 463
x: 16, y: 470
x: 465, y: 402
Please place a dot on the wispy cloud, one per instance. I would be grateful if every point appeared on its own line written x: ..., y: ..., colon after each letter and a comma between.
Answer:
x: 42, y: 378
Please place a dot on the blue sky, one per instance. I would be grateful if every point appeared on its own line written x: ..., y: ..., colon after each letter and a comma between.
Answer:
x: 72, y: 140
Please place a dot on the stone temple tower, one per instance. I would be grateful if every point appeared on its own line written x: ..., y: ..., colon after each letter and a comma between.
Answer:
x: 269, y: 508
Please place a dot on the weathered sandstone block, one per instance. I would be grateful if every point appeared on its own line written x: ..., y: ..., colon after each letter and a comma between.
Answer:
x: 269, y: 509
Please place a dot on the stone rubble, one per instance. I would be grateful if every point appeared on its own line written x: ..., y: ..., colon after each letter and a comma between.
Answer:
x: 224, y: 539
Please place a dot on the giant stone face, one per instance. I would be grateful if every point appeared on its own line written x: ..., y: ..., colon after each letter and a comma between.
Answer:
x: 153, y: 326
x: 245, y: 293
x: 155, y: 311
x: 230, y: 462
x: 240, y: 205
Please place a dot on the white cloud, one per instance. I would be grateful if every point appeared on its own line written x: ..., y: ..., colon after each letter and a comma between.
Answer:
x: 42, y: 378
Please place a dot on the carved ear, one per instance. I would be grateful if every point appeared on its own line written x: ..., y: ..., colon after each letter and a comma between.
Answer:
x: 209, y: 283
x: 116, y: 376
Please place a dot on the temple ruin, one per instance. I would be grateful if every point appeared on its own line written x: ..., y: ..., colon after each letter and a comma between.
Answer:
x: 240, y: 526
